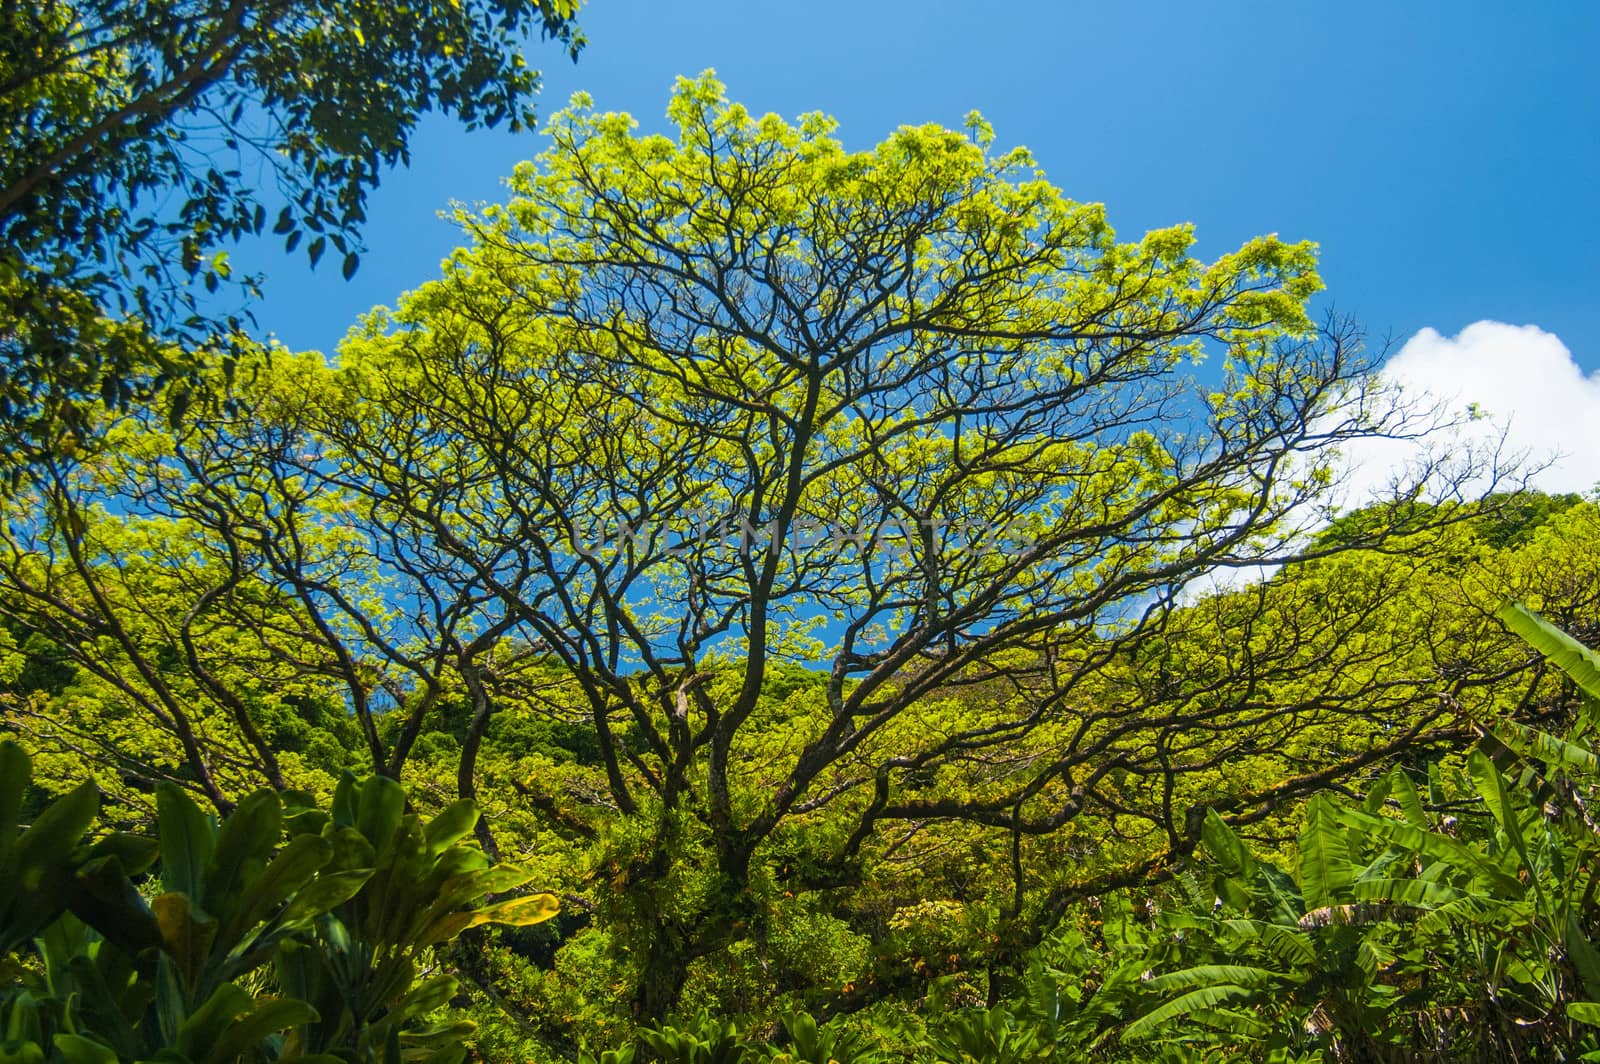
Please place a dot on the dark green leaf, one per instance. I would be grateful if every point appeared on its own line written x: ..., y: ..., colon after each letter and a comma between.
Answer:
x: 185, y: 833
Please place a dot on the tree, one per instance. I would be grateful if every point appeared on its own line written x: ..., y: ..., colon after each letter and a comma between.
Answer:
x: 694, y: 412
x: 139, y: 139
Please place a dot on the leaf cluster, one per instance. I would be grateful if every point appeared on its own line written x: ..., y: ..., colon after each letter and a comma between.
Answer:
x: 282, y: 933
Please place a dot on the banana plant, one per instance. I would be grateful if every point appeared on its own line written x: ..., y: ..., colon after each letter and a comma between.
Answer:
x: 1470, y: 932
x: 1290, y: 962
x: 1063, y: 1004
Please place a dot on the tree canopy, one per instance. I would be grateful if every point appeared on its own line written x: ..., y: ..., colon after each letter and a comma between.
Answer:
x: 143, y: 138
x: 763, y: 518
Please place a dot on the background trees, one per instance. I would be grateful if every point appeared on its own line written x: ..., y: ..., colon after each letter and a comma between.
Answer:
x: 143, y: 138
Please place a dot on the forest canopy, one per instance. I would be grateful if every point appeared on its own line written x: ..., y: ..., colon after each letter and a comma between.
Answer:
x: 806, y: 559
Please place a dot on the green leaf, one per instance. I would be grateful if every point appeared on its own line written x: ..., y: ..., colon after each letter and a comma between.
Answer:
x: 45, y: 846
x: 1325, y: 868
x: 1492, y: 788
x: 76, y: 1049
x: 1566, y: 653
x: 1406, y: 796
x: 205, y: 1027
x: 102, y: 896
x: 187, y: 933
x: 1476, y: 910
x: 381, y: 807
x: 453, y: 823
x: 171, y: 1000
x: 134, y: 853
x: 1226, y: 846
x: 186, y: 837
x: 17, y: 1052
x: 1585, y: 1012
x: 326, y: 892
x: 518, y: 912
x: 1373, y: 803
x: 1541, y: 746
x: 245, y: 839
x: 248, y: 1031
x: 346, y: 797
x: 1288, y: 945
x: 35, y: 885
x: 16, y: 772
x: 1413, y: 893
x: 1434, y: 846
x: 1216, y: 975
x: 428, y: 996
x: 292, y: 868
x: 451, y: 1054
x: 1585, y: 958
x: 1208, y: 997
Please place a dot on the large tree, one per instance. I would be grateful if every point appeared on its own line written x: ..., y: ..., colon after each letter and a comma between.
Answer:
x: 692, y: 411
x: 142, y: 138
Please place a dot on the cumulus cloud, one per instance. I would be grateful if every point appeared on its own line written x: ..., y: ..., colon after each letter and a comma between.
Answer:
x: 1515, y: 401
x: 1532, y: 398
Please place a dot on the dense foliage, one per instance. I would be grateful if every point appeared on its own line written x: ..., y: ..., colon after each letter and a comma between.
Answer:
x: 814, y: 564
x: 141, y: 139
x: 282, y: 933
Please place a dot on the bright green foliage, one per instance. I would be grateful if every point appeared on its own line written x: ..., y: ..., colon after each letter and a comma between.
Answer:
x: 1339, y: 650
x: 420, y: 889
x: 1458, y: 924
x: 765, y: 354
x: 131, y: 130
x: 278, y: 934
x: 904, y: 660
x: 795, y: 1038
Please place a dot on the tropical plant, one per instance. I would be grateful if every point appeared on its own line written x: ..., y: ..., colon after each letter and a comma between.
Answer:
x: 280, y: 933
x: 1459, y: 925
x: 421, y: 887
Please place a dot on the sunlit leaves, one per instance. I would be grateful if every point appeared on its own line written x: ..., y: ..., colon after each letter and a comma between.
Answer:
x: 134, y: 135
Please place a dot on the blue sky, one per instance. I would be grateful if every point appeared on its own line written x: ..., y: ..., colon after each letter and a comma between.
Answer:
x: 1445, y: 156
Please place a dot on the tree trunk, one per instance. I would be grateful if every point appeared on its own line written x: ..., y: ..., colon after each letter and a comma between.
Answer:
x: 666, y: 965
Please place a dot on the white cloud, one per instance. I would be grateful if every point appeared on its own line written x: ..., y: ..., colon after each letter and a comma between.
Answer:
x: 1538, y: 414
x: 1525, y: 383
